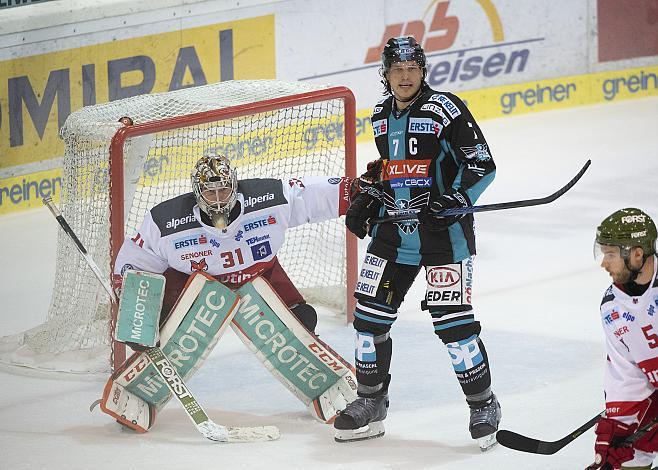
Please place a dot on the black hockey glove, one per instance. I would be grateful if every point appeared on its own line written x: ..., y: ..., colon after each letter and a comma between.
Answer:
x: 364, y: 206
x: 430, y: 216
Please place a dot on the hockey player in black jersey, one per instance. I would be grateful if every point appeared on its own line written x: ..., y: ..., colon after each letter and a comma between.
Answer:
x: 433, y: 157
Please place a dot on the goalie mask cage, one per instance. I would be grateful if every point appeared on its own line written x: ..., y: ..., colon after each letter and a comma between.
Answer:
x: 114, y: 172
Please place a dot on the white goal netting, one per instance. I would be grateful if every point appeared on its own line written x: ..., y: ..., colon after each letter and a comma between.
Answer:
x: 300, y: 132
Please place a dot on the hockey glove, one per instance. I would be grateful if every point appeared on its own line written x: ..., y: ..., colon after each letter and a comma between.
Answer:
x: 609, y: 432
x: 431, y: 216
x: 369, y: 178
x: 364, y: 206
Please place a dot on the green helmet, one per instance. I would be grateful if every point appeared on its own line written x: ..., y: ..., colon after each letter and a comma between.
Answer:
x: 628, y: 228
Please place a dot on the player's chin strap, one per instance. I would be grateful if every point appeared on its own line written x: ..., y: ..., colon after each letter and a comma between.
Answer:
x: 309, y: 368
x: 635, y: 272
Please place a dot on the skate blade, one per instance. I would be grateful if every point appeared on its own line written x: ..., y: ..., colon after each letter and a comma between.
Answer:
x: 486, y: 443
x: 369, y: 431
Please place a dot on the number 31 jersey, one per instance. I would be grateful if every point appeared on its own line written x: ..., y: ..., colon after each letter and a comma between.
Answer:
x: 173, y: 234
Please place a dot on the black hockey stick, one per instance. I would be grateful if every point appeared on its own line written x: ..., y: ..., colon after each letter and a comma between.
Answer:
x: 207, y: 427
x: 489, y: 207
x: 515, y: 441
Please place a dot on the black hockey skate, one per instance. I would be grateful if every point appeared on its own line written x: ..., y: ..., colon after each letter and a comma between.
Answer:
x: 485, y: 417
x: 361, y: 419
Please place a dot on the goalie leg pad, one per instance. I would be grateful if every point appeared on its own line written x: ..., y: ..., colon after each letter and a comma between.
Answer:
x: 310, y: 369
x: 123, y: 405
x: 197, y: 321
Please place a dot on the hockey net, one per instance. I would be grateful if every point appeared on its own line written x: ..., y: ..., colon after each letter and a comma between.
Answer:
x: 114, y: 173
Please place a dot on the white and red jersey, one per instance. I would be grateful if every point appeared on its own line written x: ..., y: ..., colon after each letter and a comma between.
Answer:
x: 630, y: 324
x: 173, y: 235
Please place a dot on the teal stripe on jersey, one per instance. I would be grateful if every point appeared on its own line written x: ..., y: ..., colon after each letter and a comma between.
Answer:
x: 373, y: 320
x: 409, y: 249
x: 475, y: 191
x: 445, y: 326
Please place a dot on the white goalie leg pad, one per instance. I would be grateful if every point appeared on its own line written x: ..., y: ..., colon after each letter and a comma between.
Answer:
x: 123, y: 405
x: 198, y: 320
x: 308, y: 367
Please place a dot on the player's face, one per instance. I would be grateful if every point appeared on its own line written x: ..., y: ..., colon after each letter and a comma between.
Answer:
x: 612, y: 261
x: 405, y: 79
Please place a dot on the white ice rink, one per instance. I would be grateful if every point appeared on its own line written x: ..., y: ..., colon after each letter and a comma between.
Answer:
x: 537, y: 293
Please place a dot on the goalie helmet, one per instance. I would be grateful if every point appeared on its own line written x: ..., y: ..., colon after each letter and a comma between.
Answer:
x: 401, y: 49
x: 215, y: 186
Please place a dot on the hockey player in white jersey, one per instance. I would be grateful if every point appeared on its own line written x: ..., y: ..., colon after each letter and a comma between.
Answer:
x: 231, y: 229
x: 626, y: 248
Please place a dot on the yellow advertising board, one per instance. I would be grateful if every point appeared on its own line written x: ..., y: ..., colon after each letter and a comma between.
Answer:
x: 37, y: 93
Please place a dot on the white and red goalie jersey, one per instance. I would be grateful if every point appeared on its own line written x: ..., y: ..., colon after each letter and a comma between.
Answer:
x: 173, y: 235
x: 631, y: 333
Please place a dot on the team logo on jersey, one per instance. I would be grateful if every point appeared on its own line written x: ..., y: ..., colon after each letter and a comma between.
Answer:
x: 447, y: 103
x: 187, y: 242
x: 296, y: 182
x: 424, y: 126
x: 239, y: 235
x: 139, y: 241
x: 261, y: 250
x: 479, y: 152
x: 379, y: 127
x: 378, y: 109
x: 333, y: 180
x: 405, y: 206
x: 198, y: 265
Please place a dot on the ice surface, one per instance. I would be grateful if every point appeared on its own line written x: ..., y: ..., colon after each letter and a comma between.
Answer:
x: 537, y: 293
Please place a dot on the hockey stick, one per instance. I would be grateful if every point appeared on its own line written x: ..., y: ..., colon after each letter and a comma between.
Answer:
x: 208, y: 428
x: 489, y: 207
x: 523, y: 443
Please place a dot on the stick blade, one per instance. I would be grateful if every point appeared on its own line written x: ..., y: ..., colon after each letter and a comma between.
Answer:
x: 218, y: 433
x: 522, y: 443
x: 253, y: 434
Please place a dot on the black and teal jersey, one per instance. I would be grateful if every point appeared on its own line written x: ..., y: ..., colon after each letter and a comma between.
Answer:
x: 432, y: 147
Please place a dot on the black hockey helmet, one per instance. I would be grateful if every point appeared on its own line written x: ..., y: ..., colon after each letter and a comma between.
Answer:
x: 401, y: 49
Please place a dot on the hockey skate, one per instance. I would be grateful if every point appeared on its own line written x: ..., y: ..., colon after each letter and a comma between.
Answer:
x: 485, y: 417
x: 361, y: 419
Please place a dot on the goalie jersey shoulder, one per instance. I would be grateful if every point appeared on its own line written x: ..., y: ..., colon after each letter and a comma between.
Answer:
x: 175, y: 215
x: 261, y: 193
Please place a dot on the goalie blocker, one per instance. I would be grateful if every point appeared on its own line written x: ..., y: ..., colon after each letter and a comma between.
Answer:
x: 319, y: 377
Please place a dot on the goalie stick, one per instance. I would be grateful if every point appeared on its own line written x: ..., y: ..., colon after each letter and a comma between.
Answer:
x: 208, y: 428
x: 488, y: 207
